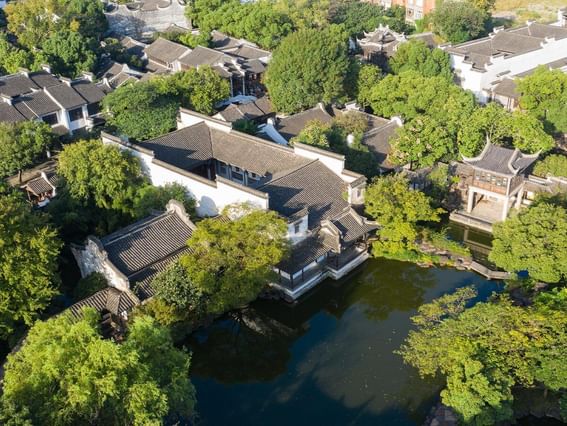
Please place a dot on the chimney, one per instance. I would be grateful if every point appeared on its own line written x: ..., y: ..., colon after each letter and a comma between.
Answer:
x: 350, y: 139
x: 7, y: 99
x: 66, y: 80
x: 89, y: 76
x: 46, y: 68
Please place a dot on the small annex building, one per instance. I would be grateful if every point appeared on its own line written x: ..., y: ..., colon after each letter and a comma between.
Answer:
x: 497, y: 184
x: 41, y: 189
x: 131, y: 257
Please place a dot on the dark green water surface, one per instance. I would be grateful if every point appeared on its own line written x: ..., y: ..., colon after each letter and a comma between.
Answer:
x: 327, y: 360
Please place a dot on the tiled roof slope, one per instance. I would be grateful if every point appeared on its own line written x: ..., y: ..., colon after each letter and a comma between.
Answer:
x: 314, y: 187
x: 507, y: 42
x: 291, y: 126
x: 501, y: 160
x: 108, y: 299
x: 144, y: 243
x: 166, y: 51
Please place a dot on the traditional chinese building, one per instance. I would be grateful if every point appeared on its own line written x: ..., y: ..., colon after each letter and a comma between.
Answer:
x: 497, y: 183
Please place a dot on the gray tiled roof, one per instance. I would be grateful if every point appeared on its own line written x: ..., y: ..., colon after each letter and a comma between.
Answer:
x: 304, y: 253
x: 16, y: 84
x: 166, y: 51
x: 108, y: 299
x: 501, y: 160
x: 185, y: 148
x: 91, y: 93
x: 352, y: 226
x: 507, y: 42
x: 291, y: 126
x: 253, y: 154
x: 314, y: 187
x: 248, y: 111
x: 507, y: 87
x: 35, y: 104
x: 39, y: 185
x: 222, y: 41
x: 44, y: 79
x: 204, y: 56
x: 10, y: 114
x: 147, y: 242
x: 66, y: 96
x: 249, y: 52
x: 378, y: 142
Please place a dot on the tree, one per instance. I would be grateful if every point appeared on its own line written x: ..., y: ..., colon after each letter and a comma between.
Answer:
x: 22, y: 144
x: 230, y: 262
x: 486, y: 350
x: 32, y: 21
x: 66, y: 374
x: 89, y: 285
x: 315, y: 133
x: 359, y: 17
x: 13, y: 58
x: 544, y: 95
x: 459, y: 21
x: 552, y: 165
x: 417, y: 56
x: 398, y: 210
x: 70, y: 53
x: 200, y: 89
x: 28, y: 263
x: 421, y: 143
x: 174, y: 287
x: 501, y: 127
x: 368, y: 77
x: 295, y: 83
x: 101, y: 174
x: 533, y: 241
x: 149, y: 197
x: 245, y: 126
x: 193, y: 40
x: 140, y: 111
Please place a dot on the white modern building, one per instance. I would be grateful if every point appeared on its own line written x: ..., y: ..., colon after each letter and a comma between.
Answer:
x: 482, y: 64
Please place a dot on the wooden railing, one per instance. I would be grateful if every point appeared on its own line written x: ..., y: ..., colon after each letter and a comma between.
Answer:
x: 489, y: 187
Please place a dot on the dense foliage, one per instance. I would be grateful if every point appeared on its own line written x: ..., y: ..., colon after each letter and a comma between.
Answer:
x: 459, y: 21
x: 296, y: 84
x: 344, y: 136
x: 552, y: 165
x: 359, y: 17
x: 22, y: 144
x: 398, y: 211
x: 149, y: 109
x: 66, y: 374
x: 415, y: 55
x: 149, y: 197
x: 230, y: 262
x: 485, y: 351
x: 28, y: 263
x: 70, y: 53
x: 535, y: 240
x: 544, y: 94
x: 13, y: 58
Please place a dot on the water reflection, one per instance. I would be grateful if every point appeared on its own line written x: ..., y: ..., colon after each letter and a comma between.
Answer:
x: 327, y: 360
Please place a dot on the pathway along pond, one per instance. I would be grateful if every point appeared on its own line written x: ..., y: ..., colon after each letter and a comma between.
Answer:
x: 327, y: 360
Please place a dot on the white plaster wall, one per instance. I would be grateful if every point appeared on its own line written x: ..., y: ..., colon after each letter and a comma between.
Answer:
x: 303, y: 233
x: 91, y: 259
x: 476, y: 81
x: 187, y: 119
x: 334, y: 164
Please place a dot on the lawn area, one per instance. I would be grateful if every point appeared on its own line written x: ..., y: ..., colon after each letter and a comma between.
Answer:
x: 522, y: 10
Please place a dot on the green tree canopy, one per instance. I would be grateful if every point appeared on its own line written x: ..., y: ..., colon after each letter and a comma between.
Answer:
x: 517, y: 129
x: 32, y: 20
x: 368, y: 76
x: 544, y: 94
x: 486, y: 350
x: 101, y: 174
x: 70, y: 53
x: 535, y: 241
x: 13, y: 58
x: 231, y: 261
x: 415, y: 55
x: 421, y: 143
x: 150, y: 197
x: 22, y: 144
x: 149, y: 109
x: 295, y: 83
x: 459, y: 21
x: 315, y: 133
x: 398, y: 210
x: 66, y: 374
x: 358, y: 17
x: 174, y: 287
x: 28, y: 263
x: 552, y: 165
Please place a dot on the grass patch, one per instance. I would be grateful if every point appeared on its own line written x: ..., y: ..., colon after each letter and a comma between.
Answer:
x: 440, y: 241
x: 522, y: 10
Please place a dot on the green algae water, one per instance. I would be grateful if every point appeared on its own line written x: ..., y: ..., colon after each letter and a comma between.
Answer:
x: 327, y: 360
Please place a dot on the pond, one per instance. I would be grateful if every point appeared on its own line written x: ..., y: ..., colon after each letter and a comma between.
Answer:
x: 327, y: 360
